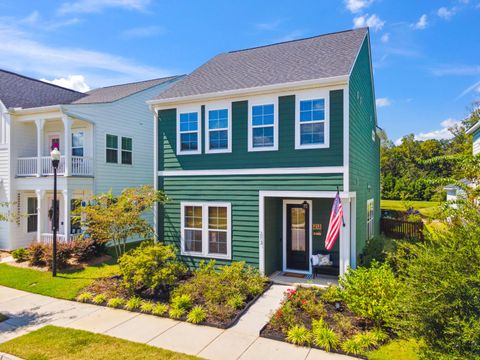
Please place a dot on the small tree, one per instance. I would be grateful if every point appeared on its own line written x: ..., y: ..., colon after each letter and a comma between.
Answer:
x: 119, y: 218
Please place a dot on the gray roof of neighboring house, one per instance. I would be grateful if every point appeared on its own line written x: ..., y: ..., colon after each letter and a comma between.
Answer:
x: 116, y: 92
x: 317, y: 57
x: 24, y: 92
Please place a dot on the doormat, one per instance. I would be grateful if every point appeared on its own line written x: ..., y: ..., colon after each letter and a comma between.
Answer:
x: 296, y: 275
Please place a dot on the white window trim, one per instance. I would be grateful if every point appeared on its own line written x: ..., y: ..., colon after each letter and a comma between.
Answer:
x: 218, y: 106
x: 370, y: 221
x: 317, y: 94
x: 184, y: 110
x: 204, y: 253
x: 258, y: 101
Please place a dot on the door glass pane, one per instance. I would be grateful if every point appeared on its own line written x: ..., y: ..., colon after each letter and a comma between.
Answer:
x: 298, y: 232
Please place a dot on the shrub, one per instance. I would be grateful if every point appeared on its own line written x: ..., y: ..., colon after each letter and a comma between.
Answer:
x: 64, y: 253
x: 115, y: 302
x: 85, y: 297
x: 196, y: 315
x: 323, y: 336
x: 352, y: 346
x: 99, y: 299
x: 36, y: 254
x: 176, y: 313
x: 372, y: 293
x: 147, y: 307
x: 284, y: 318
x: 152, y: 266
x: 85, y: 249
x: 299, y: 335
x: 376, y: 249
x: 183, y: 301
x: 332, y: 294
x: 236, y: 301
x: 133, y: 303
x: 343, y: 323
x: 20, y: 255
x: 159, y: 309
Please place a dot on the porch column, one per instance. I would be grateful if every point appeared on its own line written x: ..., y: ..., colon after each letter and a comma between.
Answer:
x: 40, y: 124
x: 40, y: 213
x: 67, y: 125
x: 67, y: 196
x: 345, y: 237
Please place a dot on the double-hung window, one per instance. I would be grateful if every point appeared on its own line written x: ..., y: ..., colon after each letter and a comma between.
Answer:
x: 218, y: 131
x: 78, y: 140
x: 311, y: 126
x: 206, y: 230
x: 125, y: 149
x: 262, y: 128
x: 32, y: 214
x: 370, y: 219
x: 112, y: 149
x: 188, y: 133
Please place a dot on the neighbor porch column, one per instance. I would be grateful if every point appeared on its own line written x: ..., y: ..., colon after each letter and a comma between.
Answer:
x: 345, y: 237
x: 40, y: 213
x: 67, y: 196
x: 40, y: 124
x: 67, y: 125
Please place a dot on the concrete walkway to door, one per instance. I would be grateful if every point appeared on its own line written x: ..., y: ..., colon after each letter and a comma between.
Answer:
x: 28, y: 312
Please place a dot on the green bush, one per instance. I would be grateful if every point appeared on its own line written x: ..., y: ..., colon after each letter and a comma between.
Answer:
x: 299, y: 335
x: 133, y: 303
x: 377, y: 249
x: 159, y: 309
x: 99, y: 299
x: 196, y: 315
x: 150, y: 266
x: 332, y: 294
x: 183, y: 301
x: 372, y: 293
x: 324, y: 337
x: 115, y: 302
x: 176, y: 313
x: 147, y: 306
x: 85, y: 297
x: 20, y: 255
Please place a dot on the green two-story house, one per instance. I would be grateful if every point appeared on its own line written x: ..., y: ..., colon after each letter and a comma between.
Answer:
x: 252, y: 147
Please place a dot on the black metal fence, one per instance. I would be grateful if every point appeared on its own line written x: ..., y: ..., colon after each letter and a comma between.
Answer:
x: 401, y: 229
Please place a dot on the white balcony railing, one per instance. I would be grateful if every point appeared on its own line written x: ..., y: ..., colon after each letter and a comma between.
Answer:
x: 80, y: 166
x: 47, y: 238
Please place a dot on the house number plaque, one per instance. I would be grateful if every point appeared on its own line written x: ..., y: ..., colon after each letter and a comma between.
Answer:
x: 317, y: 229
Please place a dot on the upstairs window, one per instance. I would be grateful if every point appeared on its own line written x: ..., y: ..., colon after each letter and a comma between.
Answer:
x: 127, y: 149
x: 189, y: 133
x: 218, y: 131
x: 262, y: 128
x: 112, y: 149
x: 78, y: 139
x: 311, y: 128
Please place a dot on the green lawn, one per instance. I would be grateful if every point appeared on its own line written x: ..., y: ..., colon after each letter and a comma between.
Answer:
x: 56, y: 343
x: 396, y: 350
x: 65, y: 286
x: 426, y: 208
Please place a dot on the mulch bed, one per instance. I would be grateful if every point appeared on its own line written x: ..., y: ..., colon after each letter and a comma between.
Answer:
x: 113, y: 287
x: 72, y: 265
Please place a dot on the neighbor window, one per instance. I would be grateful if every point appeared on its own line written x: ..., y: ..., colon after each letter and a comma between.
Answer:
x: 206, y: 229
x: 218, y: 131
x: 189, y: 133
x: 262, y: 131
x: 127, y: 147
x: 370, y: 219
x: 32, y: 214
x: 78, y: 139
x: 112, y: 149
x: 311, y: 125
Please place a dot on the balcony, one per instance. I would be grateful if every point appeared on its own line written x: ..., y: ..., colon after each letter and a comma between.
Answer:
x: 42, y: 166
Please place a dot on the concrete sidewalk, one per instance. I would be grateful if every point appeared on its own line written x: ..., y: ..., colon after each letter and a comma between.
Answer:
x: 28, y: 312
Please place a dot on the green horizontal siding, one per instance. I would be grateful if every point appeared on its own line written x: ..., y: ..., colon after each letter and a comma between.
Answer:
x: 243, y: 194
x: 286, y: 156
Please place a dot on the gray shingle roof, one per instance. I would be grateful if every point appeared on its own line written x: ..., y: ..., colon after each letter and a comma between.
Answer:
x: 21, y: 91
x: 117, y: 92
x: 318, y: 57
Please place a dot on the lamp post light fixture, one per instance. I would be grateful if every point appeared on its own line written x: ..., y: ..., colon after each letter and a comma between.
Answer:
x: 55, y: 155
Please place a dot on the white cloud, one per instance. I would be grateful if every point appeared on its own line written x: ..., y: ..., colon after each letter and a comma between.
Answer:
x: 74, y: 82
x: 440, y: 134
x: 422, y: 23
x: 95, y: 6
x: 356, y: 6
x: 141, y: 32
x: 269, y: 26
x: 445, y: 13
x: 382, y: 102
x: 385, y: 38
x: 372, y: 21
x: 459, y: 70
x: 474, y: 87
x: 295, y: 34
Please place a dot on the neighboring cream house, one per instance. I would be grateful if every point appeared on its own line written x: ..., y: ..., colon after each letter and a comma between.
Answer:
x: 105, y: 137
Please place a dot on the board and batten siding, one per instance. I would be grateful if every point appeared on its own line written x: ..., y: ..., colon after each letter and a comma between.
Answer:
x: 242, y: 192
x: 240, y: 157
x: 364, y: 152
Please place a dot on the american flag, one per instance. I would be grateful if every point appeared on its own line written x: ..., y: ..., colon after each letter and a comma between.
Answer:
x: 336, y: 219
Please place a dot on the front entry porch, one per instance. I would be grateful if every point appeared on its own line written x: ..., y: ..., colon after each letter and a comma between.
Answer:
x: 293, y: 226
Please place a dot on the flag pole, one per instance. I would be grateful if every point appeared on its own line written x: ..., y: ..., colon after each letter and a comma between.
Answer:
x: 343, y: 220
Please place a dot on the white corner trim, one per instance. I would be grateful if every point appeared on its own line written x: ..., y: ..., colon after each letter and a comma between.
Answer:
x: 218, y: 106
x: 316, y: 94
x: 190, y: 109
x: 346, y: 138
x: 260, y: 171
x: 258, y: 101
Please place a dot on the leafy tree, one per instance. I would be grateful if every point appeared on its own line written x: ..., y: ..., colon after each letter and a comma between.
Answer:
x: 120, y: 218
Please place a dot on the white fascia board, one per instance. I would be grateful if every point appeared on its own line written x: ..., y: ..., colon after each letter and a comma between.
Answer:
x: 259, y: 171
x: 474, y: 128
x: 291, y: 86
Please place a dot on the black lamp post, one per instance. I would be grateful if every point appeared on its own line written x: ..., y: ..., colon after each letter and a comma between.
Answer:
x: 55, y: 156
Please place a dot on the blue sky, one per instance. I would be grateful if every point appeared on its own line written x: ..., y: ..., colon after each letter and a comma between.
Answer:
x: 426, y: 54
